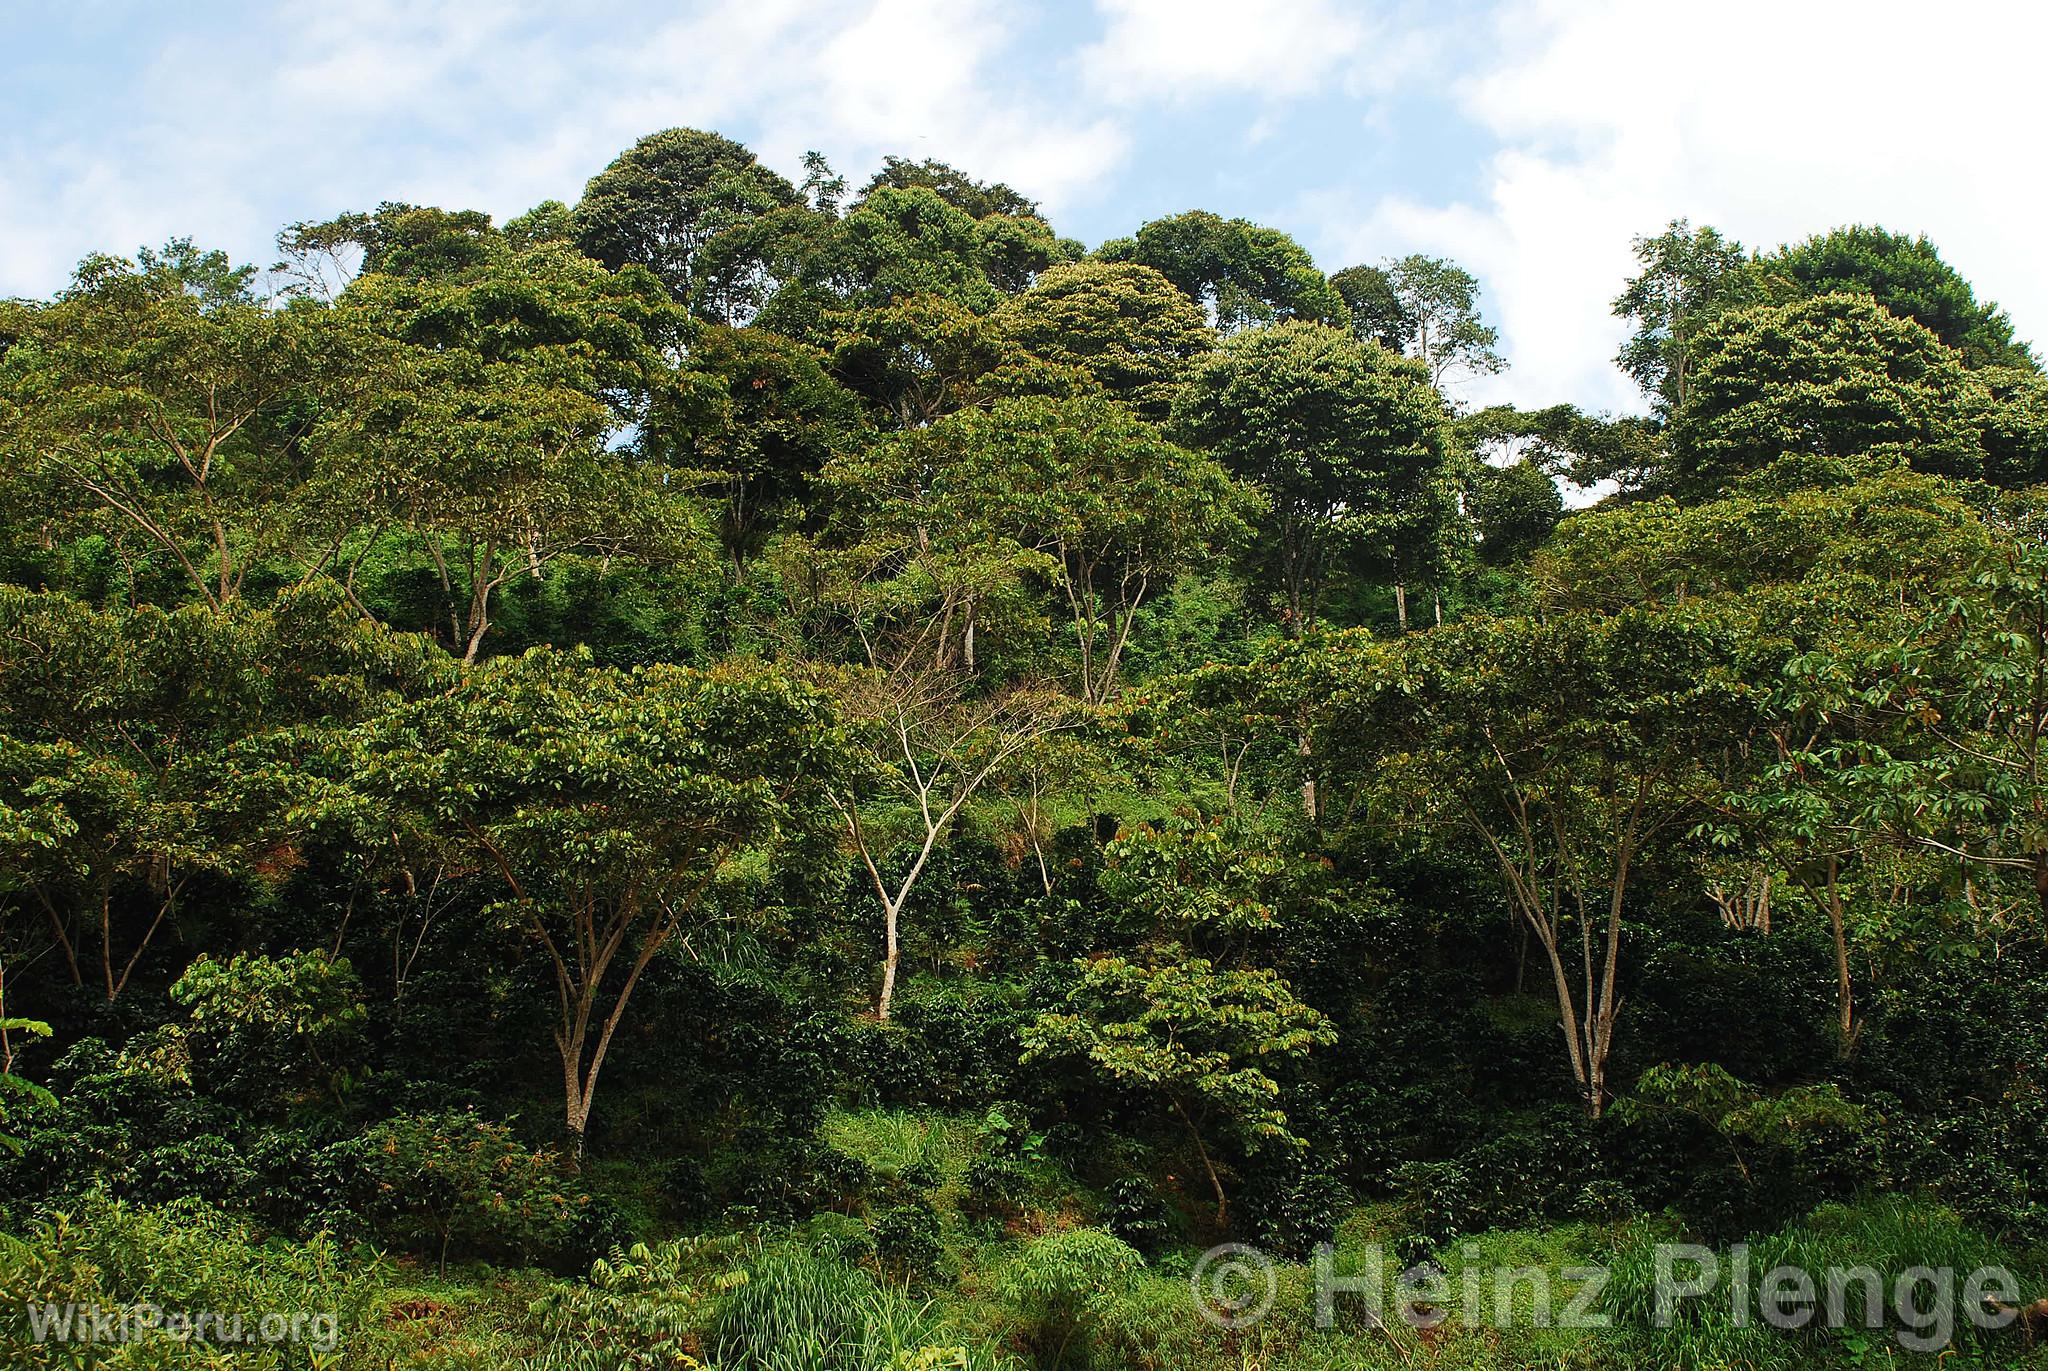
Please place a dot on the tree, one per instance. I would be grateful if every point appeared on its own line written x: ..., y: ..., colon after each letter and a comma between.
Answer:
x: 1908, y: 278
x: 892, y: 607
x: 1118, y: 508
x: 1930, y: 740
x: 1191, y: 1035
x: 900, y: 242
x: 1372, y: 308
x: 1832, y: 376
x: 2016, y: 431
x: 414, y: 242
x: 141, y: 409
x: 929, y: 745
x: 1346, y: 441
x: 1240, y: 273
x: 522, y: 380
x: 918, y: 359
x: 762, y: 429
x: 1426, y: 308
x: 976, y: 199
x: 1689, y: 276
x: 117, y: 735
x: 1123, y: 324
x: 1839, y: 570
x: 608, y: 809
x: 1565, y: 749
x: 664, y: 204
x: 209, y: 276
x: 1515, y: 507
x: 1562, y: 441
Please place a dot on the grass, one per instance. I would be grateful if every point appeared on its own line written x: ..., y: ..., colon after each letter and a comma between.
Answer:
x: 789, y: 1301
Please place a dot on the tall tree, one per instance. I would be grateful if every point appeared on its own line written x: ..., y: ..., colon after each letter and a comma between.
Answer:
x: 1118, y: 509
x: 766, y: 423
x: 1689, y: 276
x: 669, y: 197
x: 138, y: 409
x: 1832, y: 376
x: 118, y: 731
x: 976, y: 199
x: 1347, y: 442
x: 1566, y: 750
x: 607, y: 811
x: 1426, y: 308
x: 1907, y: 276
x: 523, y: 380
x: 1239, y: 272
x: 1123, y: 324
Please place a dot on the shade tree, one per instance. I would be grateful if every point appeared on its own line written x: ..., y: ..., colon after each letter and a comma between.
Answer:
x: 1688, y: 277
x: 1348, y: 443
x: 525, y: 380
x: 607, y: 812
x: 1123, y: 324
x: 177, y: 427
x: 675, y: 199
x: 1117, y: 508
x: 1908, y: 278
x: 1426, y: 308
x: 1567, y: 750
x: 1240, y: 273
x: 1830, y: 376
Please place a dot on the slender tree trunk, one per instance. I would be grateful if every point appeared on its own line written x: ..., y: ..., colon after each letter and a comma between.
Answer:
x: 1309, y: 798
x: 1844, y: 991
x: 890, y: 960
x: 1202, y: 1151
x: 1401, y: 604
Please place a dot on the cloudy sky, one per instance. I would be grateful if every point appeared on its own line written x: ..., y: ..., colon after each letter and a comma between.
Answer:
x: 1527, y: 139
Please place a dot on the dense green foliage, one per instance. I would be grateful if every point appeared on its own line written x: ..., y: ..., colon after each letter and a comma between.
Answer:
x: 747, y: 776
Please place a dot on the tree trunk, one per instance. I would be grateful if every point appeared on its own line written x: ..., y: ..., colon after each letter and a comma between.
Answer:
x: 1844, y: 991
x: 1308, y: 778
x: 575, y: 1113
x: 889, y: 962
x: 1401, y: 604
x: 1215, y: 1181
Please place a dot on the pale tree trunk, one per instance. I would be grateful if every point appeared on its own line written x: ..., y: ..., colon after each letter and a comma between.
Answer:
x: 892, y: 958
x: 1401, y: 604
x: 1309, y: 798
x: 1588, y: 1026
x: 1829, y: 898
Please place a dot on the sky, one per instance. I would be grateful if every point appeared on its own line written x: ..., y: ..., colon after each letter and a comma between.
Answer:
x: 1528, y: 140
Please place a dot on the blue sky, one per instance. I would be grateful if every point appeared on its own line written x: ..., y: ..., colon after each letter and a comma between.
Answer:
x: 1528, y: 139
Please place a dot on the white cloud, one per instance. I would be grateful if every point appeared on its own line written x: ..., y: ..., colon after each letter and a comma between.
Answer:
x: 311, y: 108
x: 1770, y: 120
x: 913, y: 78
x: 1197, y: 49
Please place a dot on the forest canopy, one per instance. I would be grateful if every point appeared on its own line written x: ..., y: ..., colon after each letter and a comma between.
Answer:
x: 755, y: 773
